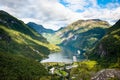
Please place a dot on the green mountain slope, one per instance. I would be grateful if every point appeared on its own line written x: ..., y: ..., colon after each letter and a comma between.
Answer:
x: 14, y: 67
x: 49, y: 34
x: 22, y: 39
x: 107, y: 52
x: 11, y: 22
x: 20, y: 49
x: 82, y: 35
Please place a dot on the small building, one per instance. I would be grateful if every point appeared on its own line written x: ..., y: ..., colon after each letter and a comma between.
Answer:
x: 74, y: 59
x: 52, y: 70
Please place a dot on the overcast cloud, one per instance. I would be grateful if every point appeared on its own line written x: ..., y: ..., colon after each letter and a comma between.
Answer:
x: 59, y: 13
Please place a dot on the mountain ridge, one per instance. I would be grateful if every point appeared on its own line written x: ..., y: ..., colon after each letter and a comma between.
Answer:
x: 83, y: 34
x: 21, y: 49
x: 40, y: 28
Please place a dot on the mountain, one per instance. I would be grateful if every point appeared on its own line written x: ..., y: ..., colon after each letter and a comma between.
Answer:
x: 81, y: 26
x: 39, y: 28
x: 21, y: 34
x: 82, y: 35
x: 107, y: 51
x: 60, y: 29
x: 20, y: 49
x: 47, y: 33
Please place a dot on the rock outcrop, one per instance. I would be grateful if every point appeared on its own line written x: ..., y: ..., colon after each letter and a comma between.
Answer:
x: 105, y: 74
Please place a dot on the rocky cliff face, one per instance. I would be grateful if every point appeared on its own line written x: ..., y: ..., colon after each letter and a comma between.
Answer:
x: 106, y: 74
x: 108, y: 49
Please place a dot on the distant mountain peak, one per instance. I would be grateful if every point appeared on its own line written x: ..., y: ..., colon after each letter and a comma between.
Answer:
x: 60, y: 29
x: 97, y: 20
x: 39, y: 28
x: 93, y: 20
x: 34, y: 24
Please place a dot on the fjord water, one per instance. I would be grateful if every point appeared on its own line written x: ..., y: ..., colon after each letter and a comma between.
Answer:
x: 57, y: 57
x: 65, y: 55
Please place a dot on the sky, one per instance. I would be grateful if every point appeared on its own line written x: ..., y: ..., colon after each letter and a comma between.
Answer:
x: 54, y: 14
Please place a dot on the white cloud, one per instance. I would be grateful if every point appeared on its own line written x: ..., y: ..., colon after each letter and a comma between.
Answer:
x: 110, y: 12
x: 80, y: 4
x: 52, y: 14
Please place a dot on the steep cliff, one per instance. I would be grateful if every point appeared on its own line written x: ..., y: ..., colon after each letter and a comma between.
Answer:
x: 107, y: 52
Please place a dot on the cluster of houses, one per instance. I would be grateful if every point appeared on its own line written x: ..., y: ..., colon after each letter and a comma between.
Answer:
x: 64, y: 70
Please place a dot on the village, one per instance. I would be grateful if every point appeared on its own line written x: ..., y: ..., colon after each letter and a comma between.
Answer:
x: 61, y: 69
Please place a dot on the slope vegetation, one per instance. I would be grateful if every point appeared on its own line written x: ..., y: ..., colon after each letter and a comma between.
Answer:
x: 82, y: 35
x: 21, y: 49
x: 107, y: 52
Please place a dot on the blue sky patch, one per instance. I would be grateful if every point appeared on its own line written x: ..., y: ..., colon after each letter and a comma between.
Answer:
x: 63, y: 2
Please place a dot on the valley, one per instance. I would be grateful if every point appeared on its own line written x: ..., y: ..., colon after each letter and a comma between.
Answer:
x: 78, y: 41
x: 83, y: 50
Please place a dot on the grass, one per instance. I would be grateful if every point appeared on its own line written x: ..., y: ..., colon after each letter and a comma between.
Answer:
x: 84, y: 70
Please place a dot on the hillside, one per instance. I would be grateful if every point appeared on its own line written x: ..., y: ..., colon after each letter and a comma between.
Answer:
x: 82, y: 35
x: 40, y: 28
x: 20, y: 34
x: 20, y: 49
x: 13, y: 67
x: 11, y: 22
x: 107, y: 52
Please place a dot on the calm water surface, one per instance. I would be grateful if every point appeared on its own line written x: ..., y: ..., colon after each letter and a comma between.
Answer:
x: 64, y: 56
x: 57, y: 57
